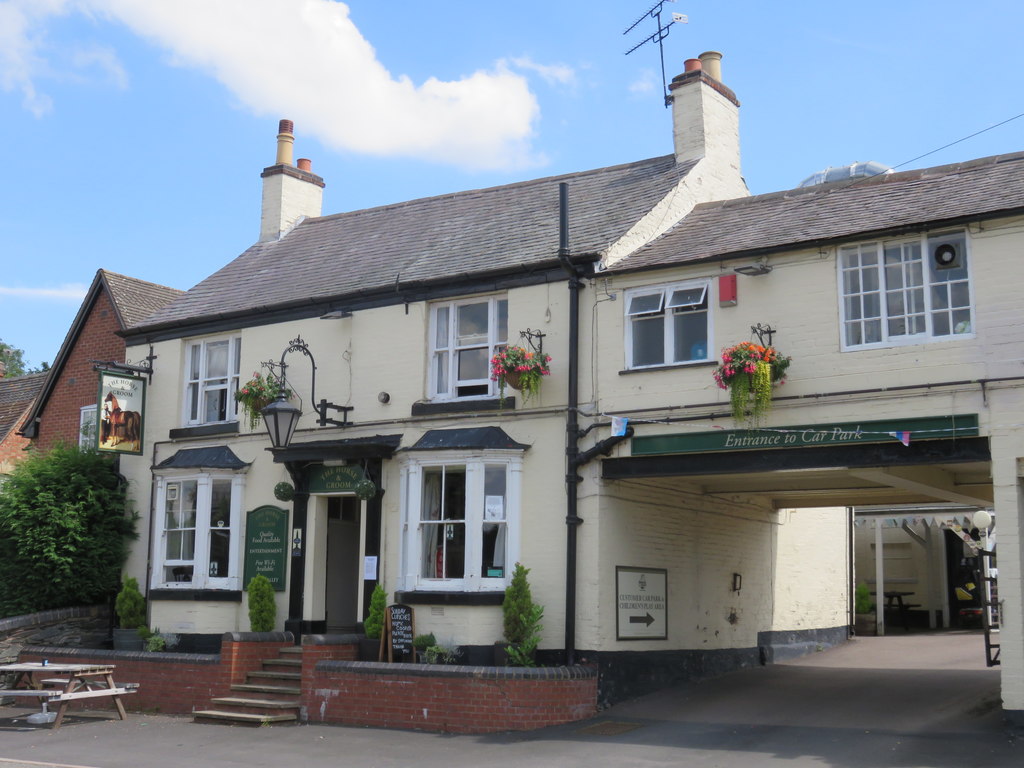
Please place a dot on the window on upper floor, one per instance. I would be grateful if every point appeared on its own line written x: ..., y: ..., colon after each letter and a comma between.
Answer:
x: 667, y: 324
x: 87, y: 426
x: 905, y: 290
x: 211, y: 380
x: 462, y: 522
x: 197, y: 537
x: 464, y: 335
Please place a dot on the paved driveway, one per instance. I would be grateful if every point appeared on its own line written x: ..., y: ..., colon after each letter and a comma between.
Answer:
x: 902, y: 700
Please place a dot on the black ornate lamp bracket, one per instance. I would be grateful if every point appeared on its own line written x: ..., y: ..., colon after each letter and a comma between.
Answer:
x: 279, y: 371
x: 534, y: 339
x: 761, y: 331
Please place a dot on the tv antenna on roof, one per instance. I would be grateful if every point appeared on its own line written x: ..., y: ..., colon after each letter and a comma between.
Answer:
x: 657, y: 37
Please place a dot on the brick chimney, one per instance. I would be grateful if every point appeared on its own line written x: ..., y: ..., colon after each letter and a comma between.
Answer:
x: 289, y: 193
x: 705, y: 115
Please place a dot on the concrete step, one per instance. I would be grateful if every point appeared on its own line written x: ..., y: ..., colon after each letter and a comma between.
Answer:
x: 243, y: 718
x: 247, y: 704
x: 282, y: 662
x: 277, y: 690
x: 271, y: 675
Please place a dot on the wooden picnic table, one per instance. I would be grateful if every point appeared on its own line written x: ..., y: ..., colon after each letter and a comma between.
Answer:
x: 63, y: 683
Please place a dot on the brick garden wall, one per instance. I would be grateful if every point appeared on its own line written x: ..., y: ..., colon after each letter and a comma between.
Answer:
x: 336, y: 689
x: 453, y: 699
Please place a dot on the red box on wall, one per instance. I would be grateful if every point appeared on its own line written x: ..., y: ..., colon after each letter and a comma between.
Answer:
x: 727, y: 291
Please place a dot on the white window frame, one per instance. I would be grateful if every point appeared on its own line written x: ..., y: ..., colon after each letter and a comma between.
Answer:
x: 445, y: 355
x: 661, y: 298
x: 411, y: 490
x: 87, y: 426
x: 201, y: 578
x: 198, y: 383
x: 864, y: 290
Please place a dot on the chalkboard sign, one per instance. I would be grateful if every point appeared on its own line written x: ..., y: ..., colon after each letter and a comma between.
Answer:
x: 399, y: 630
x: 266, y: 541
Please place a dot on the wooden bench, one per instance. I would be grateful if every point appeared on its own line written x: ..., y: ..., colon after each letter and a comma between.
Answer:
x: 61, y: 682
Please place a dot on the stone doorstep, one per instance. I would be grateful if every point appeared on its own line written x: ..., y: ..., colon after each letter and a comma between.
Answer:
x: 245, y: 702
x: 280, y: 690
x: 242, y: 718
x: 275, y: 675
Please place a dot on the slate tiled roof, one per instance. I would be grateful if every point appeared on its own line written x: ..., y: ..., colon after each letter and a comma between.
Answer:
x: 512, y: 227
x: 136, y: 299
x: 16, y: 395
x: 842, y: 210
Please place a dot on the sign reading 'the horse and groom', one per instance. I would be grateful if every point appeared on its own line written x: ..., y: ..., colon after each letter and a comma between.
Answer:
x: 121, y: 405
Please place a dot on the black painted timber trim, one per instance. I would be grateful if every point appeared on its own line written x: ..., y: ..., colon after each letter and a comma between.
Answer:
x: 450, y: 598
x: 958, y: 450
x: 462, y: 406
x: 227, y: 428
x: 212, y: 595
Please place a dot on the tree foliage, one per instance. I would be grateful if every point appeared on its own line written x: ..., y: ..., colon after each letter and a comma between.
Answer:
x: 13, y: 360
x: 65, y: 525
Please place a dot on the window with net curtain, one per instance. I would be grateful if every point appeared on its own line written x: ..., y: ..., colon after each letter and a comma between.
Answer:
x: 198, y: 538
x: 211, y: 380
x: 463, y: 519
x: 465, y: 335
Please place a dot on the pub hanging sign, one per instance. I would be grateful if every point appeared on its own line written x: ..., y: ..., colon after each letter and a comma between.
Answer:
x: 120, y: 409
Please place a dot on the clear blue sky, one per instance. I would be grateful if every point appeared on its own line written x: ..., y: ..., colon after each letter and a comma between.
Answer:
x: 135, y: 131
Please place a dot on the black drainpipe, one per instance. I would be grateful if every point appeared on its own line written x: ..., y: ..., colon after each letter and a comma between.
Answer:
x: 572, y: 427
x: 574, y: 459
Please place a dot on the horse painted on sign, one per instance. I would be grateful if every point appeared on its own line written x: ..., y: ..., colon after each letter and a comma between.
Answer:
x: 120, y: 426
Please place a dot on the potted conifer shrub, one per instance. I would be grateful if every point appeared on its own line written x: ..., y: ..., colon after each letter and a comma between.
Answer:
x: 373, y: 626
x: 130, y: 607
x: 521, y: 623
x: 262, y: 607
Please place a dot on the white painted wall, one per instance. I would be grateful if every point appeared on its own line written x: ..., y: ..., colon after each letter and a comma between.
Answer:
x: 812, y: 567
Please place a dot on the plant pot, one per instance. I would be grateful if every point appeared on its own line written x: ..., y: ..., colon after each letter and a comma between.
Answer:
x: 513, y: 379
x: 501, y: 654
x: 127, y: 640
x: 369, y: 648
x: 864, y: 625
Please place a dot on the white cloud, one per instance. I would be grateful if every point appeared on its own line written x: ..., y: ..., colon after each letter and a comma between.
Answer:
x: 304, y: 60
x: 68, y: 292
x: 646, y: 83
x: 553, y: 74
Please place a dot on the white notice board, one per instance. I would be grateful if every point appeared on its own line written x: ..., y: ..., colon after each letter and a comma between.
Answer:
x: 642, y: 603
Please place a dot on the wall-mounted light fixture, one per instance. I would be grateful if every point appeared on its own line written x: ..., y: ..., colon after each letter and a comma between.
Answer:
x: 754, y: 270
x: 737, y: 582
x: 281, y: 417
x: 336, y: 314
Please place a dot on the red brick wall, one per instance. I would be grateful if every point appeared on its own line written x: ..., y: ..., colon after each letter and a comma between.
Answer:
x: 169, y: 683
x: 449, y: 699
x: 12, y: 449
x: 336, y: 689
x: 79, y: 383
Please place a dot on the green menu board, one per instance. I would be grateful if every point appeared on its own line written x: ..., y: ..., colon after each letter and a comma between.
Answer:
x: 266, y: 545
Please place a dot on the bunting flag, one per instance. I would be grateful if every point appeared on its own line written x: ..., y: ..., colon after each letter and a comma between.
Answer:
x: 619, y: 424
x: 903, y: 437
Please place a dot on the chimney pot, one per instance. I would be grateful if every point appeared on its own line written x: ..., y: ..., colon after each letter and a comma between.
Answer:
x: 691, y: 65
x: 711, y: 63
x: 285, y: 142
x: 305, y: 164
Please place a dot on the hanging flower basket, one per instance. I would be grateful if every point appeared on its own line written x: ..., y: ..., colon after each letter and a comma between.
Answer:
x: 256, y: 394
x: 521, y: 369
x: 750, y: 371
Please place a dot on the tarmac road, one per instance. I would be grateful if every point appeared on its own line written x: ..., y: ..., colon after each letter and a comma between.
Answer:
x: 918, y: 700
